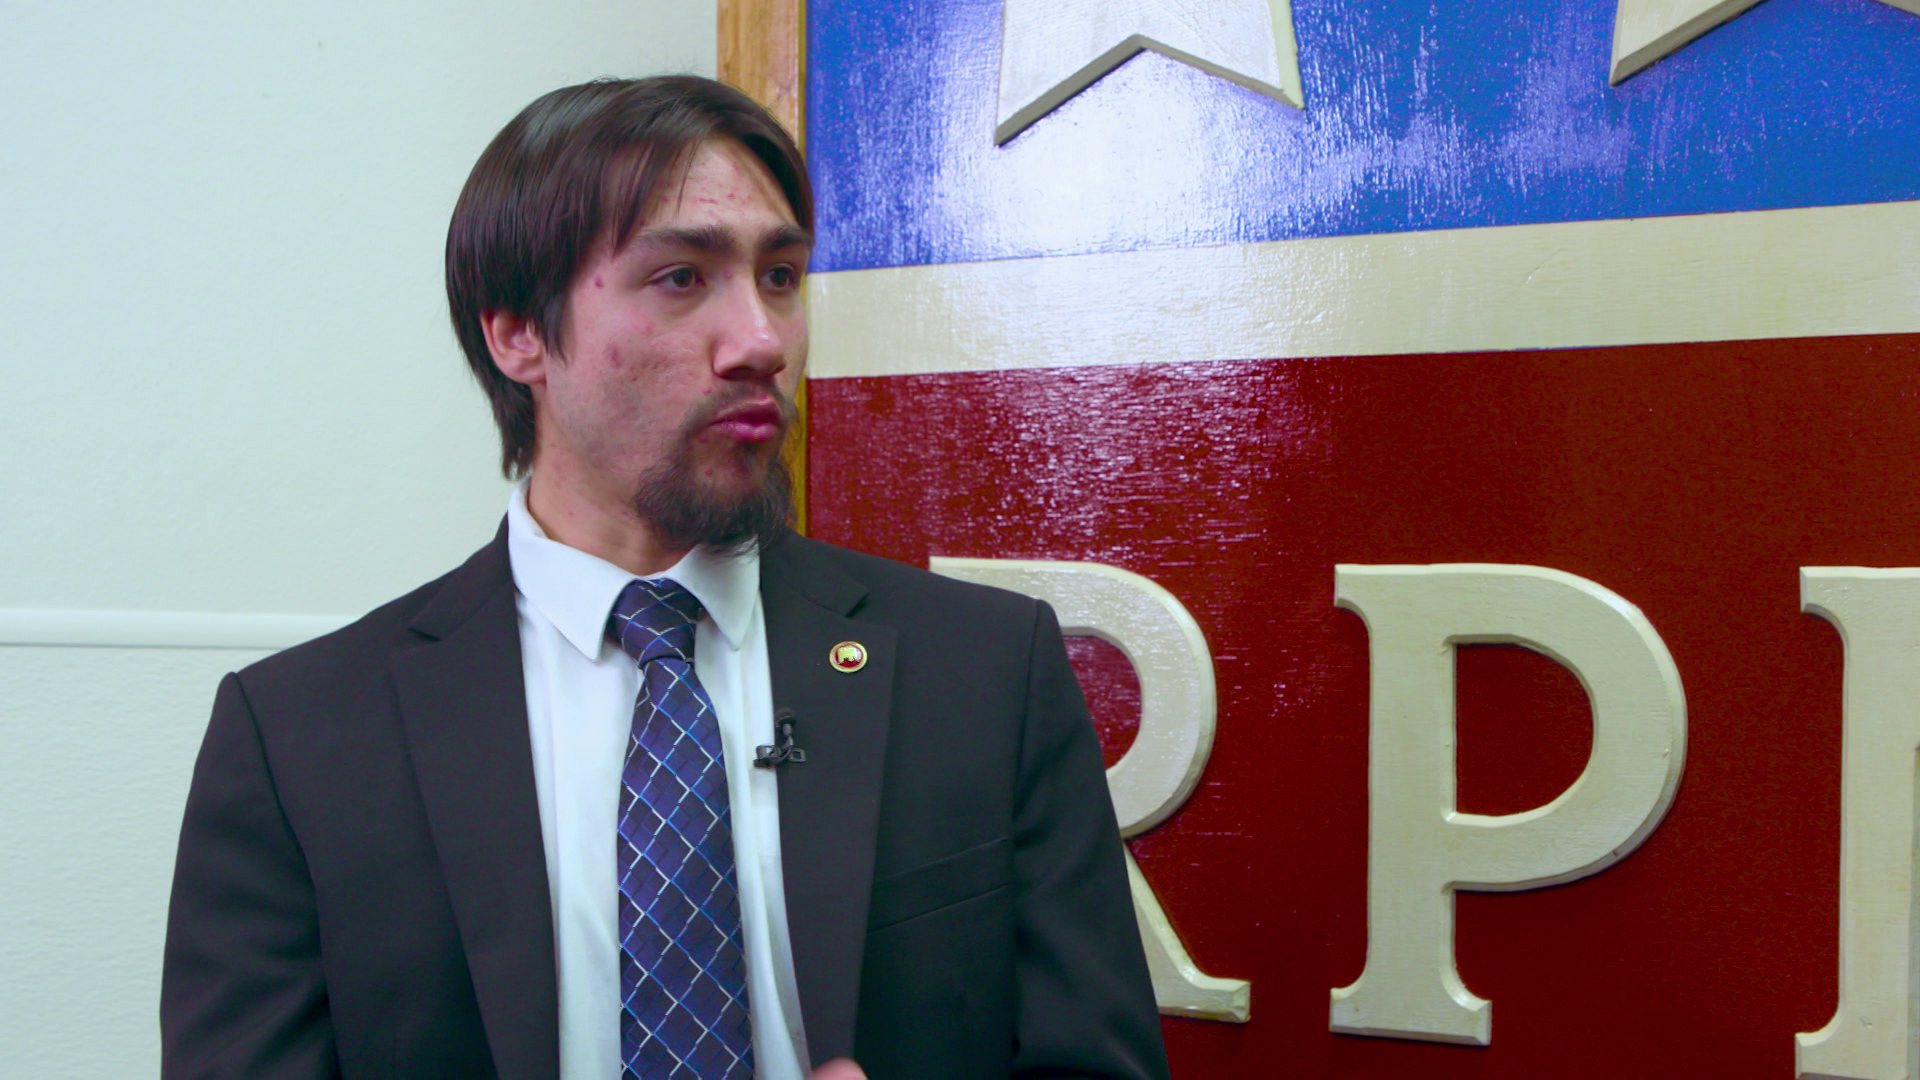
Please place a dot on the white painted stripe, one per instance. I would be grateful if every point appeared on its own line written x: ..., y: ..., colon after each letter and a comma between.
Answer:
x: 160, y: 629
x: 1714, y: 277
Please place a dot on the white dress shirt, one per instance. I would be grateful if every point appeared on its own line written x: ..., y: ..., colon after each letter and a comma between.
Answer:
x: 580, y: 697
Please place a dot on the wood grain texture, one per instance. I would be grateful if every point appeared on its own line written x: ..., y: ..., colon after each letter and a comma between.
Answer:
x: 762, y: 52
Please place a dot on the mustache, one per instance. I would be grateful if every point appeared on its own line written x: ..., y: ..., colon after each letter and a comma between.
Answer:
x: 737, y: 394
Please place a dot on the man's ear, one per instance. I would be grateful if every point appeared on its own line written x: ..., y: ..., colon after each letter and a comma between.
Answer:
x: 516, y: 346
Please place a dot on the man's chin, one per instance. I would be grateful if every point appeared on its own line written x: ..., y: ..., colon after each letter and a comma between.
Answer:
x: 739, y: 502
x: 736, y: 465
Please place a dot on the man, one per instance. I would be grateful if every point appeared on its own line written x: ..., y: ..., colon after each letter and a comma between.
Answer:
x: 650, y: 786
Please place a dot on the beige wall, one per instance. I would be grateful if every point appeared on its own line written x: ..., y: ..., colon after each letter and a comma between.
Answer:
x: 232, y: 390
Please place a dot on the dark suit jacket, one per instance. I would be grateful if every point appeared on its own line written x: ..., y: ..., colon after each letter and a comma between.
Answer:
x: 362, y: 889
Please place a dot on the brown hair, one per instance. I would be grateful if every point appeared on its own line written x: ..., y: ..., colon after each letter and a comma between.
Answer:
x: 582, y: 162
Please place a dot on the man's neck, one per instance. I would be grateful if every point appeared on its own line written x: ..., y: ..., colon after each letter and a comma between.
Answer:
x: 605, y: 528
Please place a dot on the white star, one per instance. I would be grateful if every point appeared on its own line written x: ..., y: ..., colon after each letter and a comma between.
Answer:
x: 1051, y: 50
x: 1648, y: 30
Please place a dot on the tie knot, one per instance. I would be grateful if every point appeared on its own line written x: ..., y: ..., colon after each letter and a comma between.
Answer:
x: 654, y: 619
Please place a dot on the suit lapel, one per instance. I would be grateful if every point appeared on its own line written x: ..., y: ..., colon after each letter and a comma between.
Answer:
x: 829, y: 804
x: 463, y: 704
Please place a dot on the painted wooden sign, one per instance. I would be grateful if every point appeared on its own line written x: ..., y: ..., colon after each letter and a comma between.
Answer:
x: 1453, y: 429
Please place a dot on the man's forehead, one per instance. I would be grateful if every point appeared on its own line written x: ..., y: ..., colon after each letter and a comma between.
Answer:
x: 718, y: 179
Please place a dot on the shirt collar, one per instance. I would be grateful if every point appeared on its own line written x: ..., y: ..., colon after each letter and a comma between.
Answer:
x: 576, y: 591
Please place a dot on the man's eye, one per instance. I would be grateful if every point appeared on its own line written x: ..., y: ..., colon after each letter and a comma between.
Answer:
x: 683, y: 277
x: 782, y: 277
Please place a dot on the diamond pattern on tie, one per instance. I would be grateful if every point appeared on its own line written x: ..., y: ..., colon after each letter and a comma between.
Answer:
x: 683, y: 971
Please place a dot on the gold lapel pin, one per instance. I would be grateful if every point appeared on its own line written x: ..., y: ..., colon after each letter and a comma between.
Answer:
x: 848, y: 657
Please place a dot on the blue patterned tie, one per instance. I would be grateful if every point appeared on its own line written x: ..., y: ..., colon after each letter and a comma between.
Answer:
x: 683, y: 971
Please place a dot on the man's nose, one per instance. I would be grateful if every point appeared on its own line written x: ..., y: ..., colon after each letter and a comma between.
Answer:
x: 751, y: 337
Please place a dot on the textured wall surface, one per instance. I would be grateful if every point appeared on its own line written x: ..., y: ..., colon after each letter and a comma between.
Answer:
x: 232, y: 389
x: 99, y: 746
x: 231, y: 367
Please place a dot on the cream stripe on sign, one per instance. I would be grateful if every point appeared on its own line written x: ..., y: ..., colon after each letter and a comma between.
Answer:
x: 1714, y: 277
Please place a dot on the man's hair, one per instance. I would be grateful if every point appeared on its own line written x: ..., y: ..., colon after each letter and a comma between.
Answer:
x: 578, y: 164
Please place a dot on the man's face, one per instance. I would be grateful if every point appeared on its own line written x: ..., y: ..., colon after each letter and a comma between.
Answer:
x: 682, y: 353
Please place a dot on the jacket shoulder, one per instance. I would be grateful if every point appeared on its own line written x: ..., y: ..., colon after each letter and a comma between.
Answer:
x: 376, y: 632
x: 362, y: 647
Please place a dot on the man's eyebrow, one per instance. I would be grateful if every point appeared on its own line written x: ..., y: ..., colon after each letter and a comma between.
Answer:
x: 787, y: 236
x: 719, y: 239
x: 709, y: 238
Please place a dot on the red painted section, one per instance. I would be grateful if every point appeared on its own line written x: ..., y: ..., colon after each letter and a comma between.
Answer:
x: 1694, y: 480
x: 1524, y: 727
x: 1113, y: 693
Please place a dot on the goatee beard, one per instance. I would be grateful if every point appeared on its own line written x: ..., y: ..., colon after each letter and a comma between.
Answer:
x: 682, y: 512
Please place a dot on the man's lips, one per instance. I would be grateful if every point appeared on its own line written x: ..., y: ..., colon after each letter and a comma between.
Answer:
x: 759, y: 421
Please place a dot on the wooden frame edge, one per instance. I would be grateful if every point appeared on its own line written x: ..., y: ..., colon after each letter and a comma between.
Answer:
x: 762, y: 50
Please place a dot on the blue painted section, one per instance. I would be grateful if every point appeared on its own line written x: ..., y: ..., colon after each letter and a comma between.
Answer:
x: 1420, y: 115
